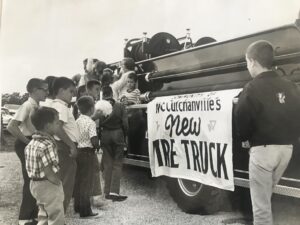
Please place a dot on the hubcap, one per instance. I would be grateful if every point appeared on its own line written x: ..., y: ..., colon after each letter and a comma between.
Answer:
x: 189, y: 188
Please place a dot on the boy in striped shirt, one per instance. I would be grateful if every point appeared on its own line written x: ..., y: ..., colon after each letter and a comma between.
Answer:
x: 130, y: 95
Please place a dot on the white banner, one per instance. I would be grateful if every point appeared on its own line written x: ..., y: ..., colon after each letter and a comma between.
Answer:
x: 190, y: 137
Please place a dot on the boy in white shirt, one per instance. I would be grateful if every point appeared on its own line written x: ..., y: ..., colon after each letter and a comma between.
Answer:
x: 87, y: 145
x: 67, y: 135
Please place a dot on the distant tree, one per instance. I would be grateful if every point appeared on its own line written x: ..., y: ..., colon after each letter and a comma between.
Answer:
x: 24, y: 97
x: 5, y: 99
x: 14, y: 98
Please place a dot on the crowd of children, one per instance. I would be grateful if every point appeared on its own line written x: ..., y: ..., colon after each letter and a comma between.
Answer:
x: 57, y: 144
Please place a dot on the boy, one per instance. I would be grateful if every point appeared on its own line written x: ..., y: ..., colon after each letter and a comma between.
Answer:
x: 81, y: 91
x: 42, y: 167
x: 93, y: 89
x: 87, y: 145
x: 22, y: 129
x: 107, y: 80
x: 130, y: 95
x: 114, y: 130
x: 267, y: 119
x: 67, y: 135
x: 49, y: 80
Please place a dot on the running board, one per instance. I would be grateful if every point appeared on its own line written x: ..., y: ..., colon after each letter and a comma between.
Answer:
x: 135, y: 162
x: 279, y: 189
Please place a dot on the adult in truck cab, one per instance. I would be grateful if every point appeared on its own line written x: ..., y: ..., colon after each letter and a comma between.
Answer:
x: 119, y: 86
x: 267, y: 119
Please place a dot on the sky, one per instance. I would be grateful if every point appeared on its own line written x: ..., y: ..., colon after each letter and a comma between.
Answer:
x: 41, y: 38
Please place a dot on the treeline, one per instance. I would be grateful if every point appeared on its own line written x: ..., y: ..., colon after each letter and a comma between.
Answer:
x: 14, y: 98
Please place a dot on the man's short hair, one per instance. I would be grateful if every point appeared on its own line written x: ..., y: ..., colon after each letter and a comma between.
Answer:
x: 132, y: 76
x: 85, y: 104
x: 107, y: 92
x: 262, y: 52
x: 108, y: 71
x: 100, y: 66
x: 62, y: 82
x: 50, y: 80
x: 42, y: 116
x: 106, y: 79
x: 91, y: 83
x: 34, y: 83
x: 128, y: 63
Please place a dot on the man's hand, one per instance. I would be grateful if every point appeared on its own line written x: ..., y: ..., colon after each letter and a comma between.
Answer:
x: 73, y: 151
x: 246, y: 144
x: 97, y: 115
x: 126, y: 146
x: 124, y: 100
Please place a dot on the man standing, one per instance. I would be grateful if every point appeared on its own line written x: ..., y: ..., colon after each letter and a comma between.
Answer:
x: 113, y: 136
x: 267, y: 118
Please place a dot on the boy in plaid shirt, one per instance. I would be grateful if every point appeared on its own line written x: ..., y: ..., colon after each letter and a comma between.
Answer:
x: 42, y: 167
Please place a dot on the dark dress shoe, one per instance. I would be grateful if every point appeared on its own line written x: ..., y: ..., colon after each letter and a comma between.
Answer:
x: 109, y: 197
x: 118, y: 198
x: 76, y: 209
x: 89, y: 215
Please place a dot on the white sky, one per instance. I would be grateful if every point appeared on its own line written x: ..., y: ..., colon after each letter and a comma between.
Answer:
x: 41, y: 38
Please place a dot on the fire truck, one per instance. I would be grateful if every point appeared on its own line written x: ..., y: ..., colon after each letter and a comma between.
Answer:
x: 167, y: 66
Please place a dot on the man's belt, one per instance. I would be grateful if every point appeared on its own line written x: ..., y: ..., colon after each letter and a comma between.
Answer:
x: 38, y: 179
x: 87, y: 150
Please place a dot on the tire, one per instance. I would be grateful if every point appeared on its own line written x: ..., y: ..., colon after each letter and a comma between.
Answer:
x: 195, y: 198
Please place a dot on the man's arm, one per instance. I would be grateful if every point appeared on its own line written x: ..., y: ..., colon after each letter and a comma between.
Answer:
x: 125, y: 125
x: 245, y: 113
x: 65, y: 138
x: 13, y: 128
x: 119, y: 84
x: 51, y: 176
x: 95, y: 142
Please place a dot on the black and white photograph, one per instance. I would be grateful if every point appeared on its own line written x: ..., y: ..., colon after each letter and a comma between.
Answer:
x: 150, y: 112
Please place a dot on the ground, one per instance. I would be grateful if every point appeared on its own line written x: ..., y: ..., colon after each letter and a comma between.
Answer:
x: 148, y: 200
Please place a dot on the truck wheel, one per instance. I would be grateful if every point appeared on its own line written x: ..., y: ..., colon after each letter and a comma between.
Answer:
x: 193, y: 197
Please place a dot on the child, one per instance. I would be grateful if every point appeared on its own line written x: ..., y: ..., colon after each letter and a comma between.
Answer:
x: 81, y: 91
x: 67, y: 135
x: 107, y: 80
x: 42, y: 167
x: 22, y: 129
x: 49, y: 80
x: 114, y: 129
x: 87, y: 145
x: 93, y: 89
x: 130, y: 95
